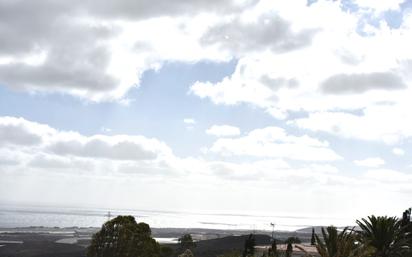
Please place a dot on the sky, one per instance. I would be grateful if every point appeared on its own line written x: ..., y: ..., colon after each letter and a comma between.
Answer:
x: 242, y: 106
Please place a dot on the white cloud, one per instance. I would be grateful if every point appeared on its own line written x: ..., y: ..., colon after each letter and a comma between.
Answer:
x: 82, y: 168
x: 388, y: 122
x: 242, y: 86
x: 189, y: 121
x: 288, y: 60
x: 23, y: 133
x: 398, y: 151
x: 379, y: 6
x: 73, y: 154
x: 387, y: 175
x: 11, y: 157
x: 106, y: 130
x: 260, y: 170
x: 265, y: 31
x: 37, y: 146
x: 372, y: 162
x: 56, y: 162
x: 118, y: 147
x: 223, y: 131
x: 275, y: 142
x: 360, y: 83
x: 353, y: 85
x: 94, y: 50
x: 18, y: 131
x: 323, y: 168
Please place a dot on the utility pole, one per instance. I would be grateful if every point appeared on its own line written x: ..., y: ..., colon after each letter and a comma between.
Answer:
x: 273, y: 231
x: 109, y: 215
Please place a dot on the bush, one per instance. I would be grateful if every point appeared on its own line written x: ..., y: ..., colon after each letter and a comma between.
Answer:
x: 187, y: 253
x: 123, y: 237
x: 186, y: 242
x: 166, y: 251
x: 293, y: 240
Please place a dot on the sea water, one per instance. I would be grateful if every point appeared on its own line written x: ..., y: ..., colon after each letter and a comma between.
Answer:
x: 18, y: 216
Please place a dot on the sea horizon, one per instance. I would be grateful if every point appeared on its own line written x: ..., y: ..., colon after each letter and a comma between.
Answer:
x: 18, y: 216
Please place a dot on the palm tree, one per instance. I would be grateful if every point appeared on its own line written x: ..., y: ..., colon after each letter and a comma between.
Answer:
x: 339, y: 244
x: 336, y: 244
x: 386, y: 235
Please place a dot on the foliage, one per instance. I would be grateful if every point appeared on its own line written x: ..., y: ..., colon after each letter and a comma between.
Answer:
x: 249, y: 246
x: 293, y: 240
x: 273, y: 251
x: 380, y: 236
x: 233, y: 253
x: 336, y: 244
x: 343, y: 244
x: 289, y: 250
x: 123, y: 237
x: 407, y: 229
x: 313, y: 239
x: 407, y: 222
x: 406, y: 217
x: 274, y: 246
x: 166, y: 251
x: 186, y: 253
x: 186, y: 242
x: 386, y: 235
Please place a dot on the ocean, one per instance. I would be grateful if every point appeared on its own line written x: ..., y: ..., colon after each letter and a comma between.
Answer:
x: 18, y: 217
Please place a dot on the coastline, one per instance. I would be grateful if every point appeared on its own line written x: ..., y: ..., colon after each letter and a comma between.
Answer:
x: 72, y: 241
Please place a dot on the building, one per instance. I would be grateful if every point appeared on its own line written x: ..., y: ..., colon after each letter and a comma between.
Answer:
x: 298, y: 249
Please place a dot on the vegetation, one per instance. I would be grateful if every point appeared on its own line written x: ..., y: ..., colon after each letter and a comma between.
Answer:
x: 386, y: 235
x: 293, y: 240
x: 187, y: 253
x: 273, y: 250
x: 186, y: 242
x: 337, y: 244
x: 249, y: 246
x: 378, y: 236
x: 406, y: 220
x: 166, y: 251
x: 231, y: 254
x: 289, y: 250
x: 313, y: 239
x: 123, y: 237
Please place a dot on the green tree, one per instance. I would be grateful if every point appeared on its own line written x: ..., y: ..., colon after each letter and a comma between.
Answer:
x: 250, y: 243
x: 273, y: 250
x: 186, y: 242
x: 232, y: 253
x: 386, y: 235
x: 334, y: 244
x: 407, y: 229
x: 289, y: 250
x: 293, y: 240
x: 123, y: 237
x: 313, y: 239
x: 166, y: 251
x: 187, y: 253
x: 406, y: 217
